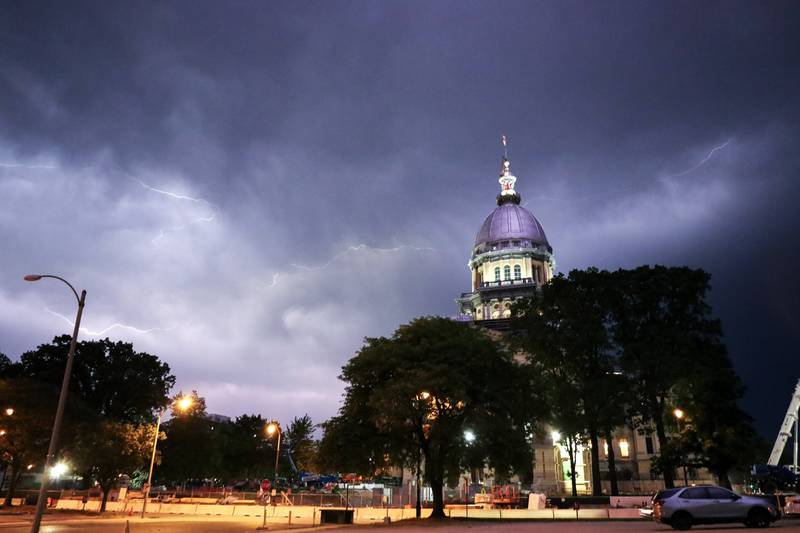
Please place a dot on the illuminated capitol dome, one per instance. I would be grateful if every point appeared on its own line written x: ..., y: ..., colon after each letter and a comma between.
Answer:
x: 510, y: 259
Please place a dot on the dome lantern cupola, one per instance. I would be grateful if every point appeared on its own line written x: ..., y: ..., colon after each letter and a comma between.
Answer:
x: 511, y: 258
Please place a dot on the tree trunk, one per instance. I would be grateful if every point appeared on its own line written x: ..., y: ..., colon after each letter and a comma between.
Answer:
x: 437, y: 486
x: 597, y: 484
x: 658, y: 418
x: 572, y: 451
x: 106, y: 486
x: 12, y: 487
x: 722, y: 477
x: 612, y: 466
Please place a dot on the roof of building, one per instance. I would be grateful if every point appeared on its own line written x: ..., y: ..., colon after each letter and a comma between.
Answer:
x: 511, y: 221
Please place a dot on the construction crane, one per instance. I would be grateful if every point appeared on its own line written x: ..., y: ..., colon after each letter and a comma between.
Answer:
x: 786, y: 431
x: 773, y: 477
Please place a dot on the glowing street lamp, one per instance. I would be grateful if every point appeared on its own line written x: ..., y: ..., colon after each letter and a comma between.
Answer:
x: 62, y: 398
x: 183, y: 404
x: 59, y: 469
x: 10, y: 411
x: 272, y: 428
x: 469, y: 436
x: 679, y: 414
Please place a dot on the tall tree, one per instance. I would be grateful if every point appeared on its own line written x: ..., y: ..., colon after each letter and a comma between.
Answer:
x: 112, y: 449
x: 6, y: 366
x: 25, y: 434
x: 421, y: 388
x: 118, y: 388
x: 566, y: 331
x: 715, y: 432
x: 300, y: 442
x: 662, y: 326
x: 192, y: 448
x: 246, y: 453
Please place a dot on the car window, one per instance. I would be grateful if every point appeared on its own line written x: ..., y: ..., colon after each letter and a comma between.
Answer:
x: 695, y: 493
x: 716, y: 493
x: 664, y: 494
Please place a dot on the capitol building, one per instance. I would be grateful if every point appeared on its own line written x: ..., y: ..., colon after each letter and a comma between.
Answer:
x: 510, y: 260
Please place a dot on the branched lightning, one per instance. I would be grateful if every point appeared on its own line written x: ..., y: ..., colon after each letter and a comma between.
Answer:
x: 102, y: 332
x: 358, y: 248
x: 210, y: 218
x: 174, y: 195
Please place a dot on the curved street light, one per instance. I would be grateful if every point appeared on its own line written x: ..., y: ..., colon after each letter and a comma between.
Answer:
x: 62, y: 398
x: 183, y: 404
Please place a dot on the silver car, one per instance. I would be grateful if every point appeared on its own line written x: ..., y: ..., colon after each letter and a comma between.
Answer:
x: 684, y: 507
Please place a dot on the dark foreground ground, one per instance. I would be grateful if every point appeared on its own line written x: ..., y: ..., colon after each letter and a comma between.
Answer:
x: 82, y: 524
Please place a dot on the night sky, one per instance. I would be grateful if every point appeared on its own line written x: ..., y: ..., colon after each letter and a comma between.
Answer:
x: 247, y: 189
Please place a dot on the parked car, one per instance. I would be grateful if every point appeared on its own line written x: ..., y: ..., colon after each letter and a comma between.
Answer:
x: 684, y: 507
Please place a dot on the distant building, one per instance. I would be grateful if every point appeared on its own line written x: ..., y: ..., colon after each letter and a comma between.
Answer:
x: 218, y: 418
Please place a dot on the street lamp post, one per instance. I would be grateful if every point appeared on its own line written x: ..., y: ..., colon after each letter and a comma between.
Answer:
x: 678, y: 413
x: 272, y: 428
x: 183, y: 404
x: 62, y: 399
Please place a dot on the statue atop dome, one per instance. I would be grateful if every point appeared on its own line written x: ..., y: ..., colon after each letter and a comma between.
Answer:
x: 507, y: 179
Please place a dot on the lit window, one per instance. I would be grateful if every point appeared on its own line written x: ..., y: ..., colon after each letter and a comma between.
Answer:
x: 506, y: 272
x: 605, y: 447
x: 624, y: 450
x: 497, y: 273
x: 517, y: 272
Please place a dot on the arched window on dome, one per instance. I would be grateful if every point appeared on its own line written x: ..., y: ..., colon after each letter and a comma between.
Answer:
x: 507, y: 273
x: 497, y: 273
x: 517, y: 272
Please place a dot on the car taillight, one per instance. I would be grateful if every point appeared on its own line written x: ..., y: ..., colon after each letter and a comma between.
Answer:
x: 657, y: 509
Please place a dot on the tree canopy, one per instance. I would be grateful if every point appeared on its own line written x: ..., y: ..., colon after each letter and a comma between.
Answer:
x: 420, y: 390
x: 112, y: 378
x: 632, y: 345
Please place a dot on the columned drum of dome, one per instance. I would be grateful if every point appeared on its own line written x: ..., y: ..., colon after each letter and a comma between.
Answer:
x: 511, y: 257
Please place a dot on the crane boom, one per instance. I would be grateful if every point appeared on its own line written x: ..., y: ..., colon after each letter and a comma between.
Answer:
x: 786, y: 430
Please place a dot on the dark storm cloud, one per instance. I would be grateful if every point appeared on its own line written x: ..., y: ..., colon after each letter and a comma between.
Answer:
x: 329, y: 163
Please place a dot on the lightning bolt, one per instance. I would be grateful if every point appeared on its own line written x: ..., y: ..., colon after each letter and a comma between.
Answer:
x: 703, y: 161
x: 102, y: 332
x: 358, y: 248
x: 575, y: 200
x: 162, y: 233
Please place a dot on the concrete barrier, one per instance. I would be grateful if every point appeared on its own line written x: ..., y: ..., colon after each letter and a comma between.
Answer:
x: 592, y: 514
x: 69, y: 504
x: 565, y: 514
x: 249, y: 510
x: 629, y: 501
x: 215, y: 510
x: 624, y: 514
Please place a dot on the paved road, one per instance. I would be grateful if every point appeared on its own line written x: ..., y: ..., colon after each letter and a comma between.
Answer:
x: 11, y: 524
x: 567, y: 527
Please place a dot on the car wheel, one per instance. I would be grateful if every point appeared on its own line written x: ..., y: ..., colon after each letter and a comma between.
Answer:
x: 681, y: 521
x: 758, y: 517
